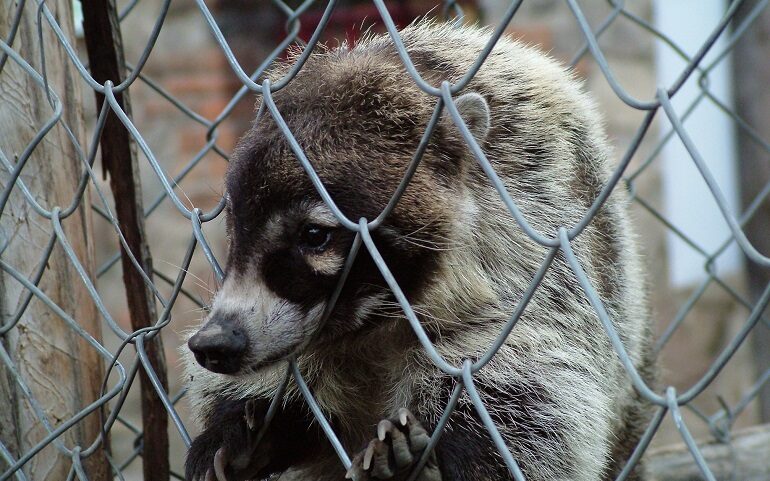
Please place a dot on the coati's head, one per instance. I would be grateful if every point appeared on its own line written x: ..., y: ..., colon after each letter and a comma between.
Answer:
x: 359, y: 120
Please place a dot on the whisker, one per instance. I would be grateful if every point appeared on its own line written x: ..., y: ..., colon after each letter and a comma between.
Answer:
x: 203, y: 284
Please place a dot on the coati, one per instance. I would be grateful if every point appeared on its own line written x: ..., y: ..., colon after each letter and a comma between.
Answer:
x: 555, y: 390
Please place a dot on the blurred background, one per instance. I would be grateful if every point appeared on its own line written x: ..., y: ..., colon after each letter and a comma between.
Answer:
x: 700, y: 282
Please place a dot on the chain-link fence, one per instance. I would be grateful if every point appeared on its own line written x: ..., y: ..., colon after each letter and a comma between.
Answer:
x: 46, y: 230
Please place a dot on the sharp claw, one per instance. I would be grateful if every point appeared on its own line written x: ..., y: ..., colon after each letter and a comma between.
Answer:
x: 368, y: 455
x: 219, y: 464
x: 403, y: 416
x: 382, y: 429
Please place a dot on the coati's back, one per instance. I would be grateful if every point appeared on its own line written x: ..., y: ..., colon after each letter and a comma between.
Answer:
x: 555, y: 390
x: 557, y: 375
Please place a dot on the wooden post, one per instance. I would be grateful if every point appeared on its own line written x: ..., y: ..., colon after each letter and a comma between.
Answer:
x: 63, y: 372
x: 105, y: 55
x: 752, y: 101
x: 744, y: 458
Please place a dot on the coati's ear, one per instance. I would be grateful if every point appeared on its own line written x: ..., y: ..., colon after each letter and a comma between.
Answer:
x: 475, y: 112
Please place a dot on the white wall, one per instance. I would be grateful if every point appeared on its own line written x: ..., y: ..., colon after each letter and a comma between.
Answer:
x: 687, y: 201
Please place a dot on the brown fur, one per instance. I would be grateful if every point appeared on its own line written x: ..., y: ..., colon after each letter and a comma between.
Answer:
x: 556, y: 390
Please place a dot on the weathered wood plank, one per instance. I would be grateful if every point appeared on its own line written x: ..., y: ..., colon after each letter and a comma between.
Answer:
x: 745, y: 458
x: 63, y: 372
x: 105, y: 53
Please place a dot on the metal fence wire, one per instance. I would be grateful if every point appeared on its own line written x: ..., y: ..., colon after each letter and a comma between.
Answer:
x: 131, y: 344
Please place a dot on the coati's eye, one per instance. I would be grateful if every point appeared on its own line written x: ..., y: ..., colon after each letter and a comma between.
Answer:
x: 314, y: 238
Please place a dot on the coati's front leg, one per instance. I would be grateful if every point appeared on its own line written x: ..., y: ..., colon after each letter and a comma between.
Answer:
x: 395, y: 452
x: 228, y: 448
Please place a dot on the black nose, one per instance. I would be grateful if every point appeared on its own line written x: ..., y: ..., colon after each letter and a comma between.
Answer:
x: 218, y: 348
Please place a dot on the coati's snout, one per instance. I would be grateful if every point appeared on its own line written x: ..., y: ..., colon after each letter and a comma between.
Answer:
x: 282, y: 266
x: 220, y: 345
x: 251, y: 326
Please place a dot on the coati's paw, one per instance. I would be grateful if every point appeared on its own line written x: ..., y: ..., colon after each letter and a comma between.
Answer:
x: 395, y: 452
x: 227, y: 450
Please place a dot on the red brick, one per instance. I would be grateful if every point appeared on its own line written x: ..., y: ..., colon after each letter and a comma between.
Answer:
x: 158, y: 107
x: 211, y: 106
x: 191, y: 140
x: 180, y: 61
x: 198, y: 83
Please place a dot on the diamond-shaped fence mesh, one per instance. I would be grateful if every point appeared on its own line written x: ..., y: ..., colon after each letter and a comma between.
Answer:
x: 56, y: 358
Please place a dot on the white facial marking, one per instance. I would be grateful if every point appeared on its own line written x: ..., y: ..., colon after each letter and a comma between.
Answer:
x: 320, y: 214
x: 325, y: 263
x: 242, y: 295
